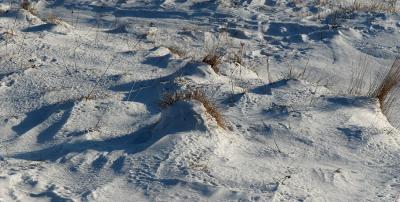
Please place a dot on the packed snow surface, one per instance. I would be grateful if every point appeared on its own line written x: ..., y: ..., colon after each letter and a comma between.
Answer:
x: 81, y: 82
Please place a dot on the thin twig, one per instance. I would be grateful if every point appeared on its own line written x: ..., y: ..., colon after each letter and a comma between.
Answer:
x: 101, y: 77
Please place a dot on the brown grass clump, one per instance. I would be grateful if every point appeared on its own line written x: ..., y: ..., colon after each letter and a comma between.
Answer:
x: 342, y: 11
x: 53, y: 19
x: 213, y: 59
x: 358, y: 78
x: 215, y: 48
x: 322, y: 2
x: 388, y: 6
x: 171, y: 98
x: 177, y: 51
x: 386, y: 91
x: 27, y: 5
x: 9, y: 33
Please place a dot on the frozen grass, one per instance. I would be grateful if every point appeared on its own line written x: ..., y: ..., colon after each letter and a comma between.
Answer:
x: 387, y: 6
x: 341, y: 11
x: 239, y: 55
x: 53, y: 19
x: 177, y: 51
x: 215, y: 48
x: 358, y: 82
x: 384, y: 87
x: 386, y: 91
x: 213, y: 59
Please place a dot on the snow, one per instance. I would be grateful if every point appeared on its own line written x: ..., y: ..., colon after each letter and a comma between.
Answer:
x: 81, y: 82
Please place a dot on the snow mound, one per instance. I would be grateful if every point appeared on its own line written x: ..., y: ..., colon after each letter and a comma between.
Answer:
x: 182, y: 116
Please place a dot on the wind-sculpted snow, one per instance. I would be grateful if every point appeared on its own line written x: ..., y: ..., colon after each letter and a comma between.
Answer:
x: 81, y: 84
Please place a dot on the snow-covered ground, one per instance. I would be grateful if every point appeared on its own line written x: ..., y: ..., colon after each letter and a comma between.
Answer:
x: 81, y: 82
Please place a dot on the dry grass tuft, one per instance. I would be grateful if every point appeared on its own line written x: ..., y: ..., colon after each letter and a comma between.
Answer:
x: 321, y: 2
x: 385, y: 87
x: 215, y: 48
x: 238, y: 56
x: 381, y: 6
x: 386, y: 91
x: 53, y: 19
x: 340, y: 12
x: 297, y: 75
x: 27, y: 5
x: 9, y: 33
x: 169, y: 99
x: 177, y: 51
x: 213, y: 59
x: 387, y: 6
x: 358, y: 83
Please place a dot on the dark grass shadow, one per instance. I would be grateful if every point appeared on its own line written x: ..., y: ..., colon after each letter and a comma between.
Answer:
x: 51, y: 195
x: 56, y: 3
x: 158, y: 61
x: 292, y: 32
x: 152, y: 10
x: 335, y: 103
x: 40, y: 28
x: 154, y: 14
x: 76, y: 133
x: 277, y: 111
x: 237, y: 33
x: 352, y: 133
x: 119, y: 30
x: 355, y: 136
x: 261, y: 90
x: 131, y: 143
x: 99, y: 163
x: 267, y: 89
x: 271, y: 2
x: 118, y: 164
x: 209, y: 5
x: 185, y: 119
x: 2, y: 76
x: 49, y: 133
x: 232, y: 99
x: 38, y: 116
x: 284, y: 29
x: 11, y: 14
x: 209, y: 190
